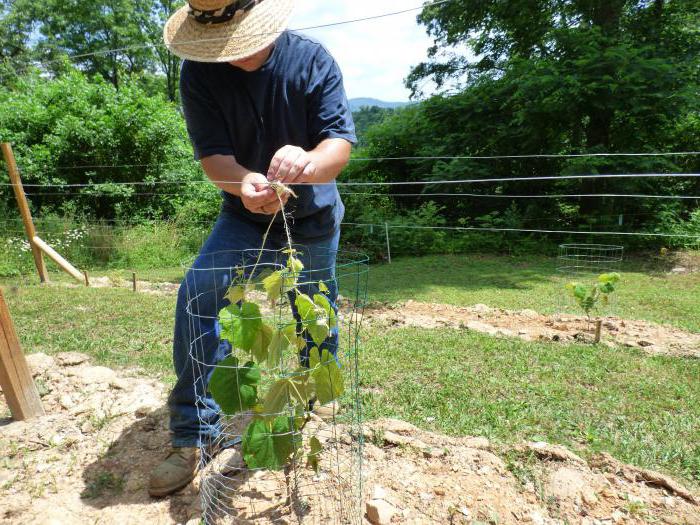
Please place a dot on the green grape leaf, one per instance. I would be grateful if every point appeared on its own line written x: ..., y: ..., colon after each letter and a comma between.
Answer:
x: 273, y: 285
x: 322, y: 287
x: 269, y: 444
x: 295, y: 265
x: 611, y: 278
x: 281, y: 341
x: 234, y: 388
x: 236, y: 293
x: 286, y: 390
x: 276, y: 399
x: 316, y: 449
x: 580, y: 292
x: 606, y: 288
x: 261, y: 343
x: 312, y: 318
x: 328, y: 379
x: 322, y: 302
x: 226, y: 321
x: 240, y: 325
x: 314, y: 358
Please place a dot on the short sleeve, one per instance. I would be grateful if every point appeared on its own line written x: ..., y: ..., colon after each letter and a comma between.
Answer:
x: 329, y: 112
x: 205, y: 123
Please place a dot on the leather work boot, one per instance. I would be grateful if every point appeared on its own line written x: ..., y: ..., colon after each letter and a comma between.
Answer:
x: 176, y: 472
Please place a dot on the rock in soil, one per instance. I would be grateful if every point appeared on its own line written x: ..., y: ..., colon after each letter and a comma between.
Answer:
x: 88, y: 461
x: 652, y: 338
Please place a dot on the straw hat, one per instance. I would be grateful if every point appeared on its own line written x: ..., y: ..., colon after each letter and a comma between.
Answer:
x: 225, y: 30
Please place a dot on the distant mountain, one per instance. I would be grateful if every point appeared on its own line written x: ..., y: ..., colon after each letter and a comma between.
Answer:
x: 357, y: 103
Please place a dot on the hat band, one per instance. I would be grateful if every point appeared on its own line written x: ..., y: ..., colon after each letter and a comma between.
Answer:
x: 223, y: 14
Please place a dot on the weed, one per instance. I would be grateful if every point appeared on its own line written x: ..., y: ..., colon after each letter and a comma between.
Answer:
x: 104, y: 482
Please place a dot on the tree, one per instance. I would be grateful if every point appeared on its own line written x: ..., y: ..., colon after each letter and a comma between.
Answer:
x: 550, y: 77
x: 111, y: 38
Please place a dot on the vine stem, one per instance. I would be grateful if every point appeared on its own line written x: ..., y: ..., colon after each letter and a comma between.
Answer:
x: 279, y: 189
x: 262, y: 248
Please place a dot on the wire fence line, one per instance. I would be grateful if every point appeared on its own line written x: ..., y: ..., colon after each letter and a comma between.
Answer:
x: 531, y: 156
x: 408, y: 158
x: 520, y: 230
x: 374, y: 194
x: 373, y: 183
x: 393, y: 226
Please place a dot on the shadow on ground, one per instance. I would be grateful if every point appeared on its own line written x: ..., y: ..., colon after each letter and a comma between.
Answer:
x: 119, y: 477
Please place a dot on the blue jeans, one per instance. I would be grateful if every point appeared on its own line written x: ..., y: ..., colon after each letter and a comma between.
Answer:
x: 234, y: 242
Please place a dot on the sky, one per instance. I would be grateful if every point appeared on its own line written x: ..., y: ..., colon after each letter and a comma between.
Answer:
x: 376, y: 55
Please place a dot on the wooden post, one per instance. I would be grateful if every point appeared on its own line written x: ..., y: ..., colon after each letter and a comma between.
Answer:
x: 24, y: 210
x: 598, y: 330
x: 388, y: 244
x: 56, y: 257
x: 87, y: 278
x: 133, y: 279
x: 15, y: 378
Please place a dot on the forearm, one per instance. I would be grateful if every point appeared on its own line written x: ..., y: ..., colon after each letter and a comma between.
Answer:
x: 225, y: 172
x: 329, y: 157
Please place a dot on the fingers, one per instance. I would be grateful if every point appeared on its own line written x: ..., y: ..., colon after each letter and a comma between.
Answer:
x: 259, y: 197
x: 277, y: 161
x: 309, y: 172
x: 289, y: 165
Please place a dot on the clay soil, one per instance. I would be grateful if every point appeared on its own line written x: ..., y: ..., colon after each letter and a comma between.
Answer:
x: 529, y: 325
x: 89, y: 459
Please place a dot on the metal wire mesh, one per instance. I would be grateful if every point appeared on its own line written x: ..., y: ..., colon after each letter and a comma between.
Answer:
x: 584, y: 263
x: 232, y: 488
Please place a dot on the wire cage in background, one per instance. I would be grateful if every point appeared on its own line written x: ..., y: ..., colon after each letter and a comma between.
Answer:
x: 274, y: 356
x: 584, y: 263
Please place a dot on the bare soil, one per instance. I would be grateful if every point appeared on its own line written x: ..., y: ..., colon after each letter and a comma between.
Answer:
x: 89, y: 459
x: 529, y: 325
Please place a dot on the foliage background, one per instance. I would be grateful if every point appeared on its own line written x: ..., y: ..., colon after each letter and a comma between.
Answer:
x: 524, y: 78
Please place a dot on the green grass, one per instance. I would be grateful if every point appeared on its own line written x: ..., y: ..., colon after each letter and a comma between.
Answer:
x: 532, y: 282
x: 116, y: 327
x: 647, y: 291
x: 644, y: 410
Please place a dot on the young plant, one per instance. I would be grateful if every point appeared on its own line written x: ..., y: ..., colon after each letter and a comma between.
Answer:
x: 279, y: 407
x: 589, y: 297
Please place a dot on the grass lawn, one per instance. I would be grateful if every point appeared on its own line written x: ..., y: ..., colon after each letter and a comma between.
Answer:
x: 647, y: 290
x: 532, y: 282
x: 642, y: 409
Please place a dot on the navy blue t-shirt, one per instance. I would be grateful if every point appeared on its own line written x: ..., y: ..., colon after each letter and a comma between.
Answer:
x: 296, y: 98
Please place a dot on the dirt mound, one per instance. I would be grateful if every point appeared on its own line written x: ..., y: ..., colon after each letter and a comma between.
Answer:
x: 88, y: 461
x: 532, y: 326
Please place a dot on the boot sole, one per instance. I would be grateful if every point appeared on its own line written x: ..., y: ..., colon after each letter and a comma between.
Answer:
x: 162, y: 492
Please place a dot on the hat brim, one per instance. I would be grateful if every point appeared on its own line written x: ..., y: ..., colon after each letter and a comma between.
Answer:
x: 240, y: 38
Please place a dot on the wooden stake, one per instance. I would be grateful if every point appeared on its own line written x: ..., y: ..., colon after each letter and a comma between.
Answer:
x: 598, y: 330
x: 388, y: 244
x: 15, y: 378
x: 56, y: 257
x: 133, y: 279
x: 21, y: 198
x: 87, y: 279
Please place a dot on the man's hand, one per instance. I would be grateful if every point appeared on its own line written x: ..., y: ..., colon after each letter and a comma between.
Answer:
x: 258, y: 196
x: 291, y: 165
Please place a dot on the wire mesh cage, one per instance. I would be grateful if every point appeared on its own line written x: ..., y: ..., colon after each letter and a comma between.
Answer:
x: 273, y: 349
x: 589, y: 259
x: 585, y: 263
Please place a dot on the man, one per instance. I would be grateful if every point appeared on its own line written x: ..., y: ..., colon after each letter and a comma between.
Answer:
x: 261, y: 104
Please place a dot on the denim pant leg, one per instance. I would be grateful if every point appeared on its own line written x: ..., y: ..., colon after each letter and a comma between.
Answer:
x: 319, y: 258
x: 193, y: 413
